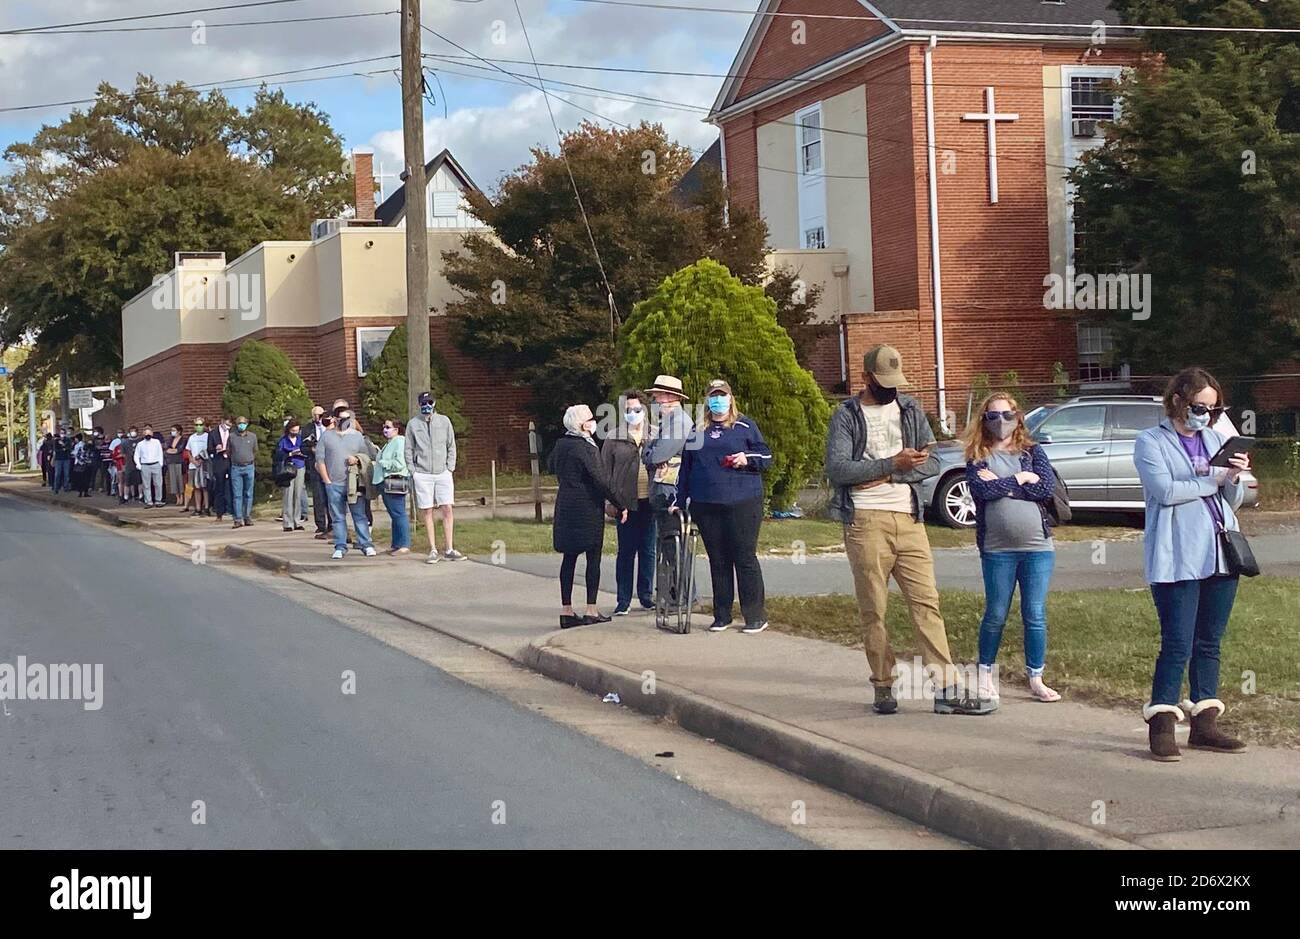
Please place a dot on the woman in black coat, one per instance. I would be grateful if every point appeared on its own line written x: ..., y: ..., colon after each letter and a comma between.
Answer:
x: 579, y: 523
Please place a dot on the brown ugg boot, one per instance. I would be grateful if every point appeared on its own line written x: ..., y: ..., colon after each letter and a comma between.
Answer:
x: 1205, y: 733
x: 1161, y: 720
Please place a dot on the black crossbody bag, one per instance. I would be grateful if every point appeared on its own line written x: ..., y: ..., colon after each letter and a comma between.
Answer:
x: 1238, y: 558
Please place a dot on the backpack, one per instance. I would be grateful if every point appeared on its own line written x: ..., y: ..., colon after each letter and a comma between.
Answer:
x: 1059, y: 508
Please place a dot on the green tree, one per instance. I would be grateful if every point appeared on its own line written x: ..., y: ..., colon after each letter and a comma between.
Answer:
x: 264, y: 386
x: 384, y: 388
x: 1198, y: 187
x: 703, y: 323
x: 93, y: 207
x: 1060, y: 380
x: 532, y: 299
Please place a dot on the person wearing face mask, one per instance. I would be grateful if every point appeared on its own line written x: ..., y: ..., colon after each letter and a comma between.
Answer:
x: 319, y: 502
x: 197, y: 447
x: 46, y: 454
x: 1189, y: 503
x: 107, y: 467
x: 148, y: 457
x: 431, y: 455
x: 622, y: 458
x: 83, y: 461
x: 392, y: 478
x: 290, y: 465
x: 174, y: 461
x: 1011, y: 481
x: 673, y: 434
x: 219, y: 493
x: 62, y: 461
x: 119, y: 464
x: 242, y: 447
x: 877, y: 454
x: 578, y: 527
x: 338, y: 448
x: 134, y: 477
x: 721, y: 479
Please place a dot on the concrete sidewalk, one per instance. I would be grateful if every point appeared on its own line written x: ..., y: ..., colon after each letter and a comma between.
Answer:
x: 1031, y: 775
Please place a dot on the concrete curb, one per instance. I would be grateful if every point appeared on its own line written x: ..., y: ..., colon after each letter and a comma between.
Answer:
x: 274, y: 562
x: 976, y: 817
x: 55, y: 502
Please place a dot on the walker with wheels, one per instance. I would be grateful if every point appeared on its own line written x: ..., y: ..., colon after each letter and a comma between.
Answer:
x: 675, y: 575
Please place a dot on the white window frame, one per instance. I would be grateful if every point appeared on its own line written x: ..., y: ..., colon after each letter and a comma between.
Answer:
x: 1099, y: 341
x: 1072, y: 149
x: 361, y: 337
x: 811, y: 185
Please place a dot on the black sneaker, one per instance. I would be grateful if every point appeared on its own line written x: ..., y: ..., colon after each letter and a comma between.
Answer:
x: 718, y: 626
x: 953, y: 702
x: 885, y: 702
x: 753, y: 628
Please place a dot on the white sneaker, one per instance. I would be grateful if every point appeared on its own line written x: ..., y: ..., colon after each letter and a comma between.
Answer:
x: 337, y: 555
x: 433, y: 558
x: 370, y: 551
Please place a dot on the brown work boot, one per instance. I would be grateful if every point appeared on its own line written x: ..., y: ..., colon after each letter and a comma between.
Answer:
x: 1161, y: 720
x: 1205, y: 733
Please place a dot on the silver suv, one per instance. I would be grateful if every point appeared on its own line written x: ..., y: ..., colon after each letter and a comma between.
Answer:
x: 1089, y: 440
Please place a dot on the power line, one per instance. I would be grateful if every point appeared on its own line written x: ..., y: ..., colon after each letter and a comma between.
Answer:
x: 213, y: 84
x: 145, y: 16
x: 559, y: 141
x: 899, y: 19
x: 190, y: 27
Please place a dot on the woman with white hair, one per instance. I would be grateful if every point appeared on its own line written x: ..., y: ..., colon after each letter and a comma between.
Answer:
x: 579, y: 523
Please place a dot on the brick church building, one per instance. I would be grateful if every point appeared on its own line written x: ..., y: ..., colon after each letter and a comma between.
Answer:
x: 913, y: 162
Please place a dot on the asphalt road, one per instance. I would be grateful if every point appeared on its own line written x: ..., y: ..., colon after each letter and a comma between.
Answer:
x: 219, y: 691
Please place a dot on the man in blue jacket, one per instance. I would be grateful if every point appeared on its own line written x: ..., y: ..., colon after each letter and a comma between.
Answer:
x: 877, y: 454
x: 663, y: 457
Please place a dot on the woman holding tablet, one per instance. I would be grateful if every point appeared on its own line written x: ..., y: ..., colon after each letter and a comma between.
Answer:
x: 1189, y: 503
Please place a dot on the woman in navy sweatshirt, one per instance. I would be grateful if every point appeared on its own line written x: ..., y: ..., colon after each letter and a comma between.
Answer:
x: 721, y: 479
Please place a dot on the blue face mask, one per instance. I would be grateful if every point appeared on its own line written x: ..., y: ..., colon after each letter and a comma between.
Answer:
x: 1197, y: 421
x: 426, y: 409
x: 719, y: 404
x: 242, y: 427
x: 634, y: 417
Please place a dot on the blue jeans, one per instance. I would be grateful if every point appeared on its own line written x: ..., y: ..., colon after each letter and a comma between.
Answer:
x: 339, y: 511
x: 636, y: 552
x: 1193, y: 617
x: 241, y: 489
x: 1032, y: 570
x: 62, y: 475
x: 396, y: 505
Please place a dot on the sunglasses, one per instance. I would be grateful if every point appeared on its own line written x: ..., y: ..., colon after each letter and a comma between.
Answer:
x: 1199, y: 409
x: 991, y: 416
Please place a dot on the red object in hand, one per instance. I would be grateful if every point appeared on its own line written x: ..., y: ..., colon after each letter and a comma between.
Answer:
x: 729, y: 460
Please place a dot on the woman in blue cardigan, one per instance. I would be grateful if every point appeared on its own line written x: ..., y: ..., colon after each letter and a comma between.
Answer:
x: 1011, y: 481
x: 721, y: 479
x: 1188, y: 503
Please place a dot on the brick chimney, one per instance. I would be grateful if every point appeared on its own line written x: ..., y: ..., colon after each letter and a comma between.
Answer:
x: 363, y: 170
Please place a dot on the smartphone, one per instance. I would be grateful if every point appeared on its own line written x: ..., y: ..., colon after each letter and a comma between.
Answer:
x: 1232, y: 447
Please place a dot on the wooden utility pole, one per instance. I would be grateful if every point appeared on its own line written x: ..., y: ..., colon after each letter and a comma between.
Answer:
x: 417, y: 236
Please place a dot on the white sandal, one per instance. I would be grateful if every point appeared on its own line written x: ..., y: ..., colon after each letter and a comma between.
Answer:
x: 1041, y: 692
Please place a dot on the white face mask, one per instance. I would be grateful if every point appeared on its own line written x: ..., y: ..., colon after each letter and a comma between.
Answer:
x: 634, y: 418
x: 1197, y: 421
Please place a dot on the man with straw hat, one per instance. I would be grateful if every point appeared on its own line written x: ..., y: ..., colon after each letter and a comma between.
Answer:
x: 663, y: 457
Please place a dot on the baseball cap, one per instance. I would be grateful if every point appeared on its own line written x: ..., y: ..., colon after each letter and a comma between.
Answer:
x: 886, y: 364
x: 426, y: 397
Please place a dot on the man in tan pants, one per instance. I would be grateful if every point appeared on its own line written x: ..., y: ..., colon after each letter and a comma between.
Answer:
x: 876, y: 456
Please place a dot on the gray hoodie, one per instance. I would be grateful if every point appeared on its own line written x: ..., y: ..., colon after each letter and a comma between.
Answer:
x: 846, y: 465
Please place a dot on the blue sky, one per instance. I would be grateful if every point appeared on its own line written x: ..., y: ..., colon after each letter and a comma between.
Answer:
x: 489, y: 125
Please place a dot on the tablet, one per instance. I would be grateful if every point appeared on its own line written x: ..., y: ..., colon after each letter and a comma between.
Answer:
x: 1231, y: 448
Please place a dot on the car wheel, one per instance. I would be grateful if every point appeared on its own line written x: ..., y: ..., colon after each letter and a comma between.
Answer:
x: 954, y: 504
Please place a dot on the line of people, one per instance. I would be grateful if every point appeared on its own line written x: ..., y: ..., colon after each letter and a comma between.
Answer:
x: 879, y: 451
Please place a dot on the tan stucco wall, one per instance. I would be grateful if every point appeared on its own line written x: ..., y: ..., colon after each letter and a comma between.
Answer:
x: 147, y: 330
x: 848, y: 192
x: 817, y: 268
x: 1054, y: 139
x: 778, y: 194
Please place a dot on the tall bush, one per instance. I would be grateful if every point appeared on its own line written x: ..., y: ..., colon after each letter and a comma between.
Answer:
x: 702, y: 323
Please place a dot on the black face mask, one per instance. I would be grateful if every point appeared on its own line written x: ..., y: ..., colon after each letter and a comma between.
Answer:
x: 882, y: 394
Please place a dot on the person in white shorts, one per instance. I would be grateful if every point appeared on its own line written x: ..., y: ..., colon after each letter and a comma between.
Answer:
x: 431, y: 455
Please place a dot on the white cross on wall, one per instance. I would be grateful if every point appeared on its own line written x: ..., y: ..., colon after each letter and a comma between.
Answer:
x: 991, y: 118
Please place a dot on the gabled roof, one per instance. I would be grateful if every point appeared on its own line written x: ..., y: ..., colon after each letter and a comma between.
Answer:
x: 393, y: 209
x: 692, y: 180
x: 1012, y: 19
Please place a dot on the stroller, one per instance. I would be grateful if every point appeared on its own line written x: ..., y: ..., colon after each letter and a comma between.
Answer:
x: 675, y: 574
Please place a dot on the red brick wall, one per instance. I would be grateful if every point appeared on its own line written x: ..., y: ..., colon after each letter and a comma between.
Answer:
x: 778, y: 56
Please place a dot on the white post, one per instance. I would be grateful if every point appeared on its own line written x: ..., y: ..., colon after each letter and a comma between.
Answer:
x: 33, y: 461
x: 935, y: 286
x: 494, y: 488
